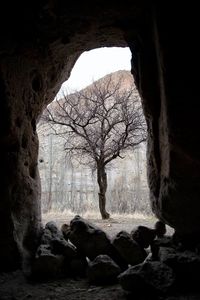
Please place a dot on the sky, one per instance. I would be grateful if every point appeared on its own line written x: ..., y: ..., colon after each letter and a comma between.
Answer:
x: 94, y: 64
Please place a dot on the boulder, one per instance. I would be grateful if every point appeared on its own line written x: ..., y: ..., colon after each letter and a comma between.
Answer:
x: 185, y: 264
x: 129, y: 249
x: 103, y: 270
x: 91, y: 241
x: 50, y: 231
x: 143, y: 235
x: 61, y: 246
x: 46, y: 264
x: 88, y: 239
x: 65, y: 229
x: 160, y: 229
x: 78, y: 266
x: 148, y: 277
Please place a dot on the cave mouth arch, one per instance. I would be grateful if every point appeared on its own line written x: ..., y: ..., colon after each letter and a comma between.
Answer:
x: 36, y: 57
x: 34, y: 64
x: 70, y: 188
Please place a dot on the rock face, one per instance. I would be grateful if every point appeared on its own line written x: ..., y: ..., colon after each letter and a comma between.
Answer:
x: 37, y: 54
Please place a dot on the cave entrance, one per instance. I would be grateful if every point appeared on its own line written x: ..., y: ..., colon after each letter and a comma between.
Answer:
x: 70, y: 187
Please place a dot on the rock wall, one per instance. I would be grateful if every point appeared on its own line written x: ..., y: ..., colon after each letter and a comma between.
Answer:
x: 27, y: 83
x: 170, y: 108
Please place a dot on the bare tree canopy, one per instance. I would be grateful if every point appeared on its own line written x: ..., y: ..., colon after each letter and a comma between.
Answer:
x: 99, y: 123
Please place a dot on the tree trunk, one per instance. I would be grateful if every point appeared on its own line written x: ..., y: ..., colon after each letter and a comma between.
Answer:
x: 102, y: 182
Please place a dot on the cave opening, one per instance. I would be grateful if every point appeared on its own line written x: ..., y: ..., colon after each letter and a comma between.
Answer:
x: 69, y: 187
x: 37, y: 54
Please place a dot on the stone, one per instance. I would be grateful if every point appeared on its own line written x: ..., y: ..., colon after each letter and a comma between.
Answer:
x: 160, y: 229
x: 78, y: 266
x: 50, y: 232
x: 65, y: 229
x: 165, y: 241
x: 53, y: 255
x: 52, y: 227
x: 129, y: 249
x: 186, y: 266
x: 103, y: 270
x: 46, y: 236
x: 61, y: 246
x: 148, y: 277
x: 91, y: 241
x: 46, y: 264
x: 143, y: 235
x: 88, y: 239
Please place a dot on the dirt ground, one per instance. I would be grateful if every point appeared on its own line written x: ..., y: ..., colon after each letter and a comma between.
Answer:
x: 14, y: 286
x: 111, y: 226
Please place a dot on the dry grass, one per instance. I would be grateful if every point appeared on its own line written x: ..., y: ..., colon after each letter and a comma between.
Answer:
x: 112, y: 226
x: 94, y: 215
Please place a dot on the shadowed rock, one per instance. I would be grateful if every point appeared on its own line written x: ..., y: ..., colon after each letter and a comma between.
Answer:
x: 186, y: 266
x: 143, y: 235
x: 91, y: 241
x: 103, y: 270
x: 50, y: 232
x: 148, y: 277
x: 55, y: 256
x: 78, y: 266
x: 129, y: 249
x: 46, y: 264
x: 61, y: 246
x: 65, y: 229
x: 75, y: 264
x: 160, y: 229
x: 88, y: 239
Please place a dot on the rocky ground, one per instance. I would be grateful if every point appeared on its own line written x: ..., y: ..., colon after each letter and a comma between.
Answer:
x: 111, y: 226
x: 15, y: 286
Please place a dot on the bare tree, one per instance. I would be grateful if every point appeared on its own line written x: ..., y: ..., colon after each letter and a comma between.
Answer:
x: 99, y: 123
